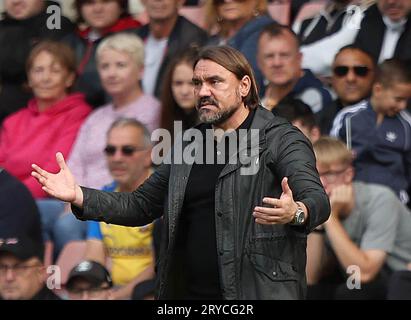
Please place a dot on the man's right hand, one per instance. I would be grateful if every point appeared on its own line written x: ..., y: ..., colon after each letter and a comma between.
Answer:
x: 342, y: 200
x: 61, y: 185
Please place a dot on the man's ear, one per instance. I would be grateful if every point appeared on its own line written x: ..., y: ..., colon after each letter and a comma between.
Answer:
x: 147, y: 158
x: 315, y: 134
x: 245, y: 85
x: 300, y: 58
x: 349, y: 175
x: 377, y: 88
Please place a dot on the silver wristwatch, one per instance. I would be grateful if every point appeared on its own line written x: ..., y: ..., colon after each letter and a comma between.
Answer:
x: 299, y: 217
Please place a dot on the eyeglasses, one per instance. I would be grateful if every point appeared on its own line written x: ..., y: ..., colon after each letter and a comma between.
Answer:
x: 128, y: 151
x: 18, y: 269
x: 331, y: 176
x: 360, y: 71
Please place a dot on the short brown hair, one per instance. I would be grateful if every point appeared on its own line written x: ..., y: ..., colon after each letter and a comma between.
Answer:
x: 235, y: 62
x: 79, y: 3
x: 331, y: 150
x: 274, y: 30
x: 393, y: 71
x: 60, y: 51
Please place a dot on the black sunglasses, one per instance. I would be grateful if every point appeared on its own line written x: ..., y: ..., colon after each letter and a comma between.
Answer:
x: 110, y: 150
x: 342, y: 71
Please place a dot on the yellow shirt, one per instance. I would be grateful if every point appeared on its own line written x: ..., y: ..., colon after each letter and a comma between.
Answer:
x: 130, y: 249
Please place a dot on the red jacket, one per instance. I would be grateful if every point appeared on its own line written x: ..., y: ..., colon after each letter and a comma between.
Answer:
x: 30, y: 136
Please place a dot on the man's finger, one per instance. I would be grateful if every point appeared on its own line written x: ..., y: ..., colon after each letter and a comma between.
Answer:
x: 39, y: 178
x: 270, y: 211
x: 39, y: 171
x: 272, y: 202
x: 259, y: 215
x: 286, y: 188
x: 266, y: 222
x: 48, y: 191
x: 60, y: 160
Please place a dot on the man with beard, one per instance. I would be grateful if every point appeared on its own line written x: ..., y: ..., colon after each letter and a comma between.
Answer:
x: 233, y: 229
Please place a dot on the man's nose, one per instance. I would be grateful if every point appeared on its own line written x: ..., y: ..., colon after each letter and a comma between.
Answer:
x: 204, y: 90
x: 351, y: 77
x: 10, y: 274
x: 118, y: 155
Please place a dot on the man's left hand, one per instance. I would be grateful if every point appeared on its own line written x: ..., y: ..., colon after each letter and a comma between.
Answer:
x: 280, y: 211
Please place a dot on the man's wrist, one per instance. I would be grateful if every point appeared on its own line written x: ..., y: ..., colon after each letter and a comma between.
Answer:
x: 304, y: 208
x: 300, y: 215
x: 78, y: 201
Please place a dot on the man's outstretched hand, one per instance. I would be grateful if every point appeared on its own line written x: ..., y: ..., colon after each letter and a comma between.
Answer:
x: 61, y: 185
x: 280, y: 211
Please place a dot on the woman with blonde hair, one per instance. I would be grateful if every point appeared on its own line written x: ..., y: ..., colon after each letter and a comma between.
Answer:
x: 97, y: 19
x: 120, y: 62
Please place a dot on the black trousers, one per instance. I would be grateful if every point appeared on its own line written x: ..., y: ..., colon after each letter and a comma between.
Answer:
x: 399, y: 286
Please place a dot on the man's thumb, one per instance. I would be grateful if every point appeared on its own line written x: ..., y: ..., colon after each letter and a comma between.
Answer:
x: 286, y: 187
x: 60, y: 160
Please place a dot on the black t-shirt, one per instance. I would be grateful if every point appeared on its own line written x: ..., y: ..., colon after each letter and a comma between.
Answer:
x: 197, y: 232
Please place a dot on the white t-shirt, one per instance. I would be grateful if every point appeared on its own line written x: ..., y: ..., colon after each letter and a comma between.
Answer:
x: 154, y: 51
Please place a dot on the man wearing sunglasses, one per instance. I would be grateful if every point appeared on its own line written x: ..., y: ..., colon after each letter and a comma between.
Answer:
x: 378, y: 130
x: 366, y: 238
x: 130, y: 250
x: 352, y: 79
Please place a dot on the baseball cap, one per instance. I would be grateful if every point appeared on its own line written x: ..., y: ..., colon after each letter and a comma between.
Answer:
x: 93, y: 272
x: 22, y: 247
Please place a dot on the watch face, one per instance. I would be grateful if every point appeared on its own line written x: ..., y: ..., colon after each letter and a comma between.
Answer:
x: 299, y: 217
